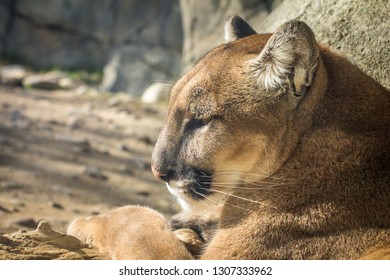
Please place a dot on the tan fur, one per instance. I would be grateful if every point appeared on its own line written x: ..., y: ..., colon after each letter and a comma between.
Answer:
x: 290, y: 138
x: 130, y: 232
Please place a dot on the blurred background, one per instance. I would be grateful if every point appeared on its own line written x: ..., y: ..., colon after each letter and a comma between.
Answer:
x: 84, y: 84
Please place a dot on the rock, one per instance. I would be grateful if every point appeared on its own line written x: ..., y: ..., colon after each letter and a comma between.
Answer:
x: 73, y: 122
x: 81, y: 144
x: 56, y: 205
x: 29, y: 223
x: 17, y: 202
x: 133, y: 68
x: 203, y: 23
x: 44, y: 243
x: 5, y: 105
x: 138, y: 163
x: 94, y: 172
x: 16, y: 116
x: 147, y: 140
x: 119, y: 98
x: 156, y: 92
x: 143, y: 193
x: 124, y: 147
x: 10, y: 185
x: 4, y: 210
x: 75, y: 210
x: 123, y: 168
x: 49, y: 81
x: 357, y: 29
x: 86, y: 90
x: 62, y: 189
x: 82, y: 34
x: 12, y: 74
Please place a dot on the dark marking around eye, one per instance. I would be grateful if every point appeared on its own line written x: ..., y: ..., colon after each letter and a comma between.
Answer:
x: 194, y: 124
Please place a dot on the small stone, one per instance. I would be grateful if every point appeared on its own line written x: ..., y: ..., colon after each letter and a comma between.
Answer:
x: 48, y: 81
x: 125, y: 169
x: 143, y: 193
x: 17, y: 202
x: 5, y: 210
x: 94, y: 172
x: 29, y: 222
x: 86, y: 91
x: 66, y: 83
x: 16, y: 116
x: 124, y: 147
x: 9, y: 185
x: 119, y: 98
x: 138, y: 163
x: 73, y: 123
x: 147, y: 140
x: 82, y: 144
x: 56, y: 205
x: 75, y: 210
x: 12, y: 74
x: 5, y: 105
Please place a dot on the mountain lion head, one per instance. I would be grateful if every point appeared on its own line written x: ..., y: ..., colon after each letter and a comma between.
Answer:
x: 235, y: 116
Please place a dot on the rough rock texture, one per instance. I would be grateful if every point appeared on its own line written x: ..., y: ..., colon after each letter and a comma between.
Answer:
x: 45, y: 244
x: 203, y: 23
x: 357, y: 29
x: 141, y: 42
x: 133, y: 68
x: 89, y: 34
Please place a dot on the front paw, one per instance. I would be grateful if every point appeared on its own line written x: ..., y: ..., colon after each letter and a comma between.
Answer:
x: 203, y: 227
x: 191, y: 240
x: 130, y: 232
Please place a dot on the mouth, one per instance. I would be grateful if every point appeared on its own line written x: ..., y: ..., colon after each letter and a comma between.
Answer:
x: 196, y: 185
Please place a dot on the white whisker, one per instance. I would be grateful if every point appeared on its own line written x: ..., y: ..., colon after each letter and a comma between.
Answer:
x: 236, y: 196
x: 215, y: 202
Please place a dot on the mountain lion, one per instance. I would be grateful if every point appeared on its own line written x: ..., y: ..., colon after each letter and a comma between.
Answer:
x: 275, y: 147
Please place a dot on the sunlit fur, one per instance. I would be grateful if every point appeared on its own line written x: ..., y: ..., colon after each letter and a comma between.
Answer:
x: 283, y: 144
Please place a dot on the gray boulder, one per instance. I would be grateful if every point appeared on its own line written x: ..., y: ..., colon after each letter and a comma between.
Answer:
x: 57, y: 33
x: 89, y: 34
x: 357, y: 29
x: 133, y: 68
x: 203, y: 23
x: 4, y: 19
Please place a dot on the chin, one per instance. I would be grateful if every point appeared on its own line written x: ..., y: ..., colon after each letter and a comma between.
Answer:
x: 197, y: 206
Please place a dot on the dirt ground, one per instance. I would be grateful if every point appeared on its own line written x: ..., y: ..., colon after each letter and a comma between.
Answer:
x: 65, y: 154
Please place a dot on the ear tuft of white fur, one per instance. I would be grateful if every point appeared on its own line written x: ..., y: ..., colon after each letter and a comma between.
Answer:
x: 290, y: 55
x: 273, y: 66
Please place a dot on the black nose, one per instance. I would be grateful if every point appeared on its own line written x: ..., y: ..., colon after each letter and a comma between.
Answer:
x: 165, y: 176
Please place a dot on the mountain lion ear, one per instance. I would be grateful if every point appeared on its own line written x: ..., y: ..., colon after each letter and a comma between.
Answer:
x: 289, y: 59
x: 236, y: 28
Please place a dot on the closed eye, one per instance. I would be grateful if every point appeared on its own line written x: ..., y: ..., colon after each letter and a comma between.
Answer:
x: 195, y: 124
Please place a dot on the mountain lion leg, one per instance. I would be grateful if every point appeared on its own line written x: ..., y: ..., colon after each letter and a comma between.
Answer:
x: 130, y: 232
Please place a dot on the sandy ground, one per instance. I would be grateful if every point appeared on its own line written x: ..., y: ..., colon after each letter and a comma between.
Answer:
x: 64, y: 154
